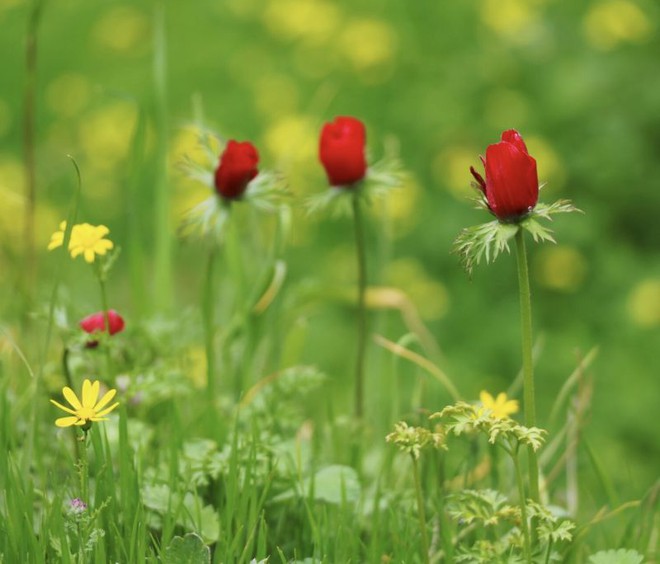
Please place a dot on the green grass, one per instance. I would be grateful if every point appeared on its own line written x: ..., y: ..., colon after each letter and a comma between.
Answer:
x: 265, y: 459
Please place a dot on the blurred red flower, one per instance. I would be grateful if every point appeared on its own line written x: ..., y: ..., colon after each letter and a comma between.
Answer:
x: 341, y: 151
x: 238, y: 165
x: 96, y: 323
x: 511, y: 186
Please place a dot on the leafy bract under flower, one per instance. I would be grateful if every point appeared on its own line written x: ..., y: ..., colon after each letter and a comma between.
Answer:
x: 86, y: 239
x: 487, y: 240
x: 264, y: 189
x: 88, y: 409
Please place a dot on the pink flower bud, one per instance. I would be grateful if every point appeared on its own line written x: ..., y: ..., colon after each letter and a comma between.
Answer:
x: 341, y: 151
x: 238, y: 165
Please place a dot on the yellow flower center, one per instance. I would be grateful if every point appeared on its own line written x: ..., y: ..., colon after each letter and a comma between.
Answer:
x: 86, y: 413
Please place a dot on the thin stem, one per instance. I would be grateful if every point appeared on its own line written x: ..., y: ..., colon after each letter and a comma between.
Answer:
x: 421, y: 511
x: 361, y: 314
x: 548, y: 552
x: 208, y: 309
x: 84, y: 469
x: 163, y: 240
x: 528, y: 364
x: 106, y: 317
x: 29, y: 143
x: 523, y: 505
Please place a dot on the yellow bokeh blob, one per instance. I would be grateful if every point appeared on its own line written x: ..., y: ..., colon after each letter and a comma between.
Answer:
x: 370, y: 46
x: 430, y: 297
x: 397, y: 208
x: 313, y: 21
x: 105, y: 134
x: 451, y: 169
x: 122, y: 29
x: 276, y: 95
x: 68, y: 94
x: 610, y: 23
x: 549, y: 165
x: 644, y: 303
x: 293, y: 138
x: 12, y: 195
x: 560, y: 268
x: 512, y: 19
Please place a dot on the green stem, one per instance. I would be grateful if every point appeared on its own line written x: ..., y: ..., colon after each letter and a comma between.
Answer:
x: 208, y: 309
x: 528, y: 364
x: 548, y: 552
x: 106, y: 317
x: 523, y: 505
x: 29, y: 145
x: 362, y: 314
x: 84, y: 469
x: 163, y: 240
x: 421, y: 511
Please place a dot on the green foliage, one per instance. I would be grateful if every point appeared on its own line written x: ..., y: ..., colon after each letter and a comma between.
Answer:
x: 621, y: 556
x: 189, y: 549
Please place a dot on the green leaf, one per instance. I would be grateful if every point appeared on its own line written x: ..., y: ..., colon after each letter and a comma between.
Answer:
x: 621, y: 556
x: 189, y: 549
x: 336, y: 484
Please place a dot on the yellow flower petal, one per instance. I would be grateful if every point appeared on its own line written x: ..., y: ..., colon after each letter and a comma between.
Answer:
x: 105, y: 400
x: 62, y: 407
x: 485, y: 398
x: 105, y: 411
x: 90, y: 393
x: 66, y: 421
x: 89, y: 255
x: 71, y: 397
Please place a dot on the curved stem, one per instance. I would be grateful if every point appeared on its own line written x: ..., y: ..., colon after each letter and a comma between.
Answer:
x: 360, y: 252
x: 421, y: 511
x: 528, y: 365
x: 523, y: 506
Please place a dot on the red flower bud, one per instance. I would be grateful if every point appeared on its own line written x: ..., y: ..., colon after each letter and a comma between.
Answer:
x: 511, y: 186
x: 96, y: 323
x: 238, y: 165
x: 341, y: 151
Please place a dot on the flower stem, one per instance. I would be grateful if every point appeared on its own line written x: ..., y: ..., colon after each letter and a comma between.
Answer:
x: 523, y: 505
x: 84, y: 468
x: 106, y: 317
x: 29, y: 145
x: 420, y: 511
x: 361, y: 314
x: 528, y: 365
x: 208, y: 308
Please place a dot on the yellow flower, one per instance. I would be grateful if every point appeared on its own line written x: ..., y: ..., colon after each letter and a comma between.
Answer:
x: 87, y: 240
x: 87, y: 410
x: 501, y: 407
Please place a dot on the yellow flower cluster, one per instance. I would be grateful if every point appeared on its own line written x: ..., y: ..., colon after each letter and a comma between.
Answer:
x: 86, y: 239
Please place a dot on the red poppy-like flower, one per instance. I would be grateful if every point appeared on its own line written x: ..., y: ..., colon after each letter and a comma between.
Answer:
x: 341, y: 151
x: 238, y: 165
x: 96, y: 323
x: 511, y: 186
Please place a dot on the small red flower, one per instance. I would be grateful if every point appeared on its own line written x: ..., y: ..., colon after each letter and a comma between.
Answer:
x: 238, y: 165
x: 96, y: 323
x: 341, y: 151
x: 511, y: 186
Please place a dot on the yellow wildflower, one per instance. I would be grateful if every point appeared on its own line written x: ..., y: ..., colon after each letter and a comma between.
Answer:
x: 88, y: 410
x: 86, y: 239
x: 501, y: 407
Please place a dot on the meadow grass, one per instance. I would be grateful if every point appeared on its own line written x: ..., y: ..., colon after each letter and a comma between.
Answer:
x: 230, y: 444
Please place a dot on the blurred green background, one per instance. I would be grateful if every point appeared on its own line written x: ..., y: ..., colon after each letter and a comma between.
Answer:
x: 580, y: 80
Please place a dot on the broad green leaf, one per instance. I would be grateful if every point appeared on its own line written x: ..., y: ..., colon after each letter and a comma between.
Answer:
x: 189, y: 549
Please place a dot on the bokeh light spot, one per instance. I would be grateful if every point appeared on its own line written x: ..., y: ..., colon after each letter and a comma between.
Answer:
x: 560, y: 268
x: 313, y: 21
x: 68, y: 94
x: 451, y: 169
x: 122, y: 29
x: 608, y: 24
x: 644, y: 303
x: 429, y: 296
